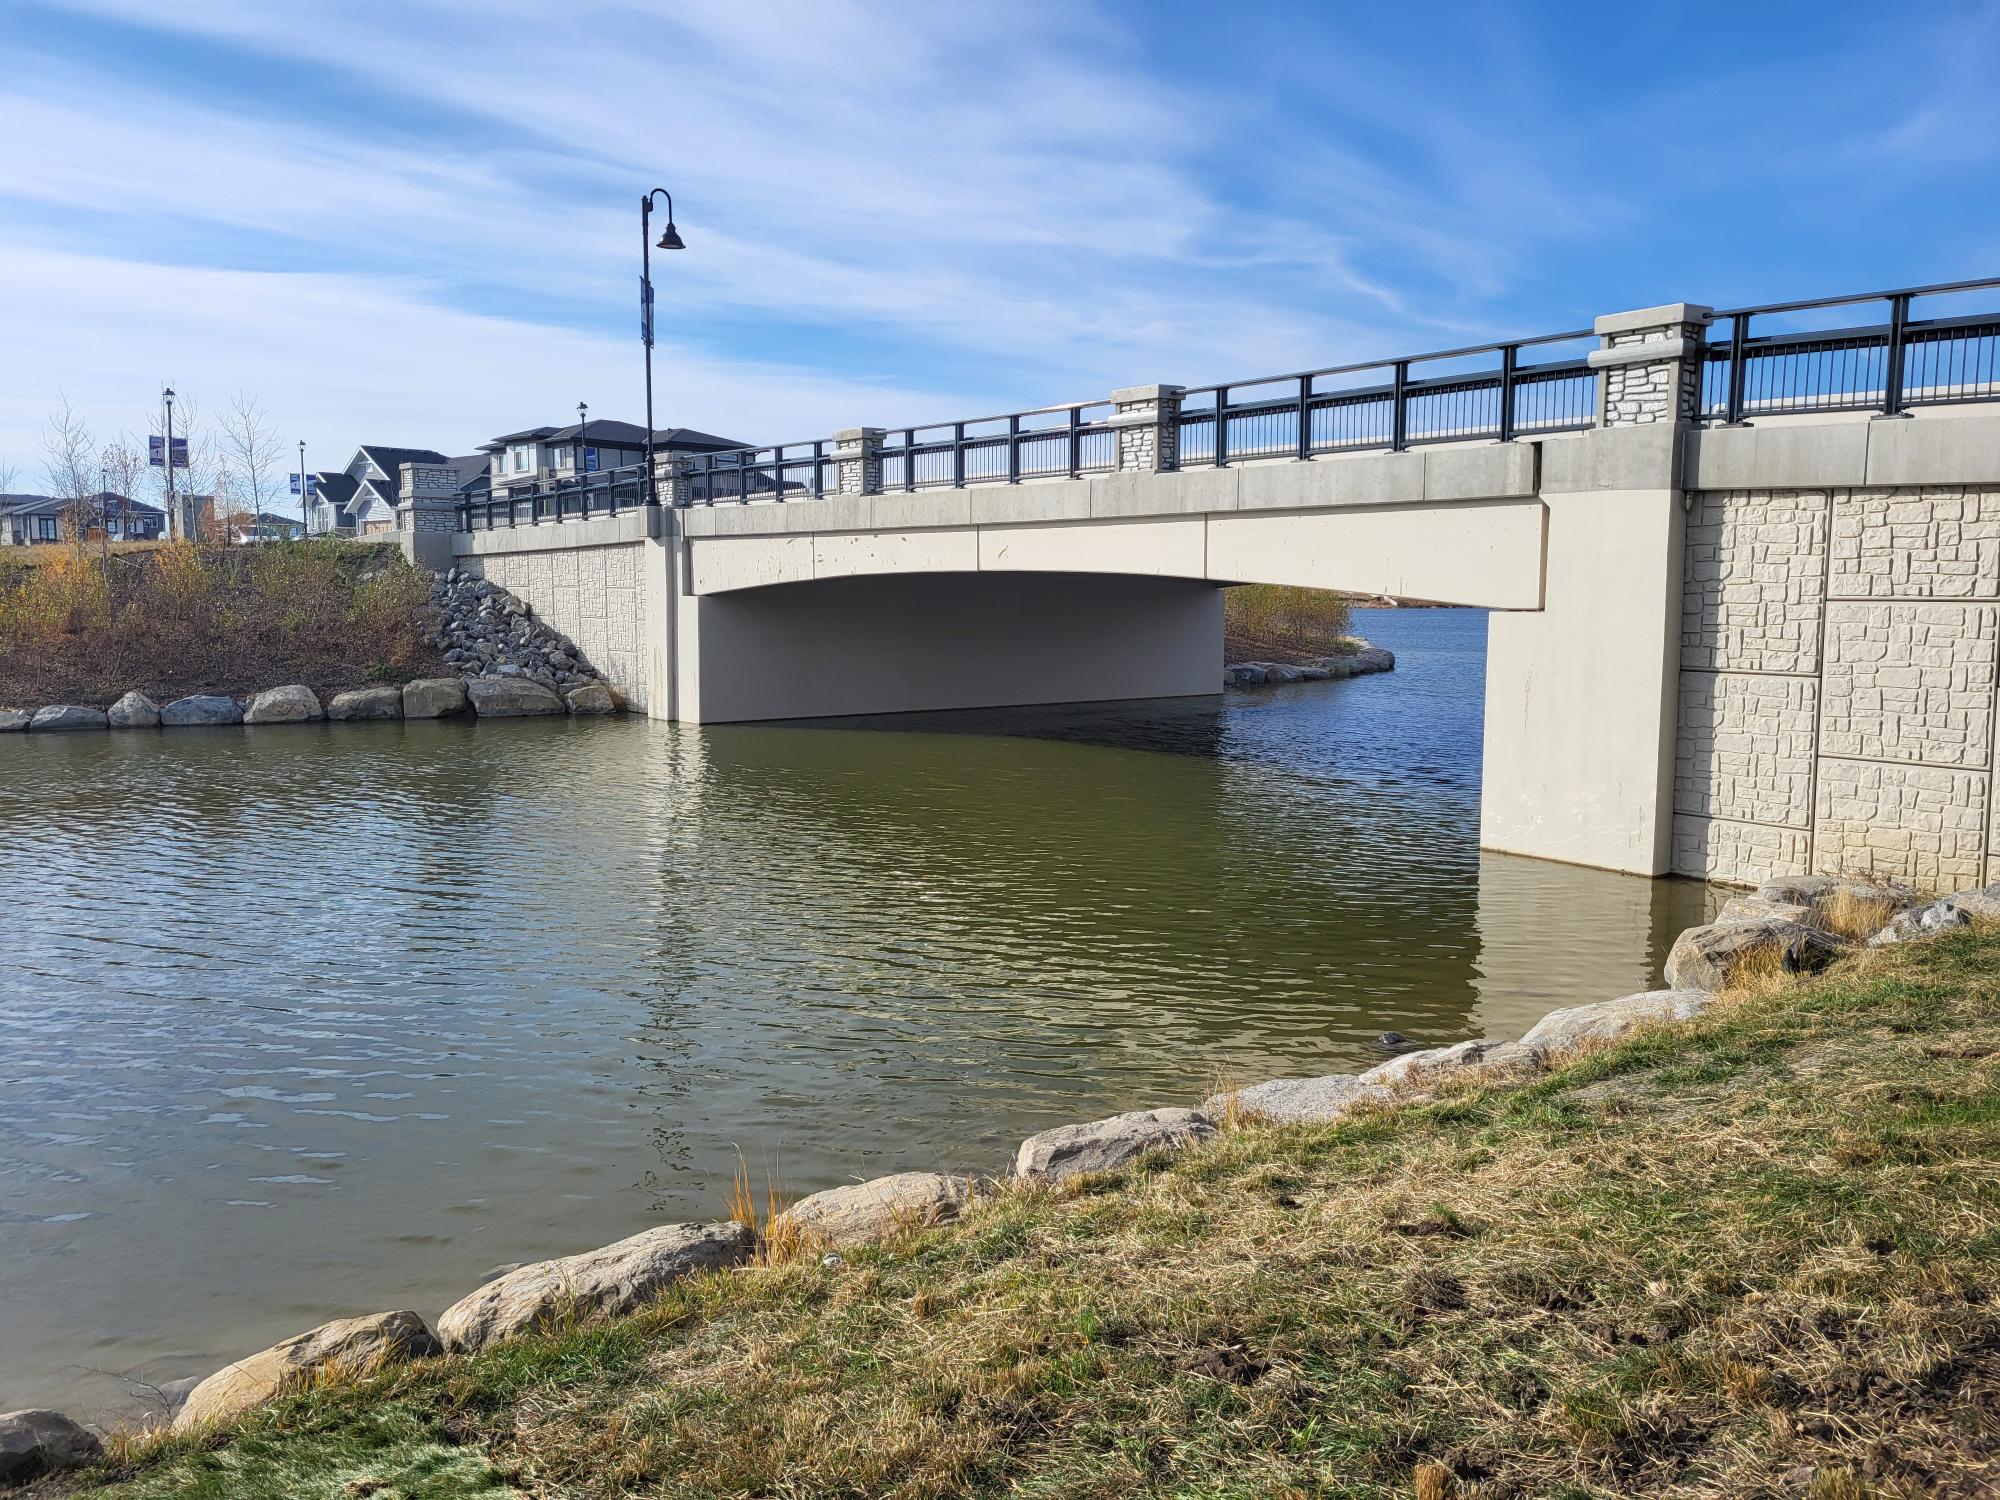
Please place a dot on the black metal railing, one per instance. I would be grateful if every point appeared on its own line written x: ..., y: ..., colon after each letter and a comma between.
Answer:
x: 789, y: 471
x: 1302, y: 417
x: 1525, y: 387
x: 1050, y: 442
x: 1885, y: 367
x: 606, y: 493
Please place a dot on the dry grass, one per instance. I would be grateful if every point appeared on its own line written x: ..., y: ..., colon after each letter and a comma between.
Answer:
x: 1849, y: 914
x: 1748, y: 1256
x: 1266, y: 622
x: 177, y: 619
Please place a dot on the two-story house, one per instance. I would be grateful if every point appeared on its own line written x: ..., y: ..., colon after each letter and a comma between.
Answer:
x: 526, y: 461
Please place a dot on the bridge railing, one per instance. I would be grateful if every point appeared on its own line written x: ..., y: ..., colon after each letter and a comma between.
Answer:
x: 1888, y: 366
x: 1383, y: 404
x: 604, y: 493
x: 1048, y: 442
x: 1937, y: 345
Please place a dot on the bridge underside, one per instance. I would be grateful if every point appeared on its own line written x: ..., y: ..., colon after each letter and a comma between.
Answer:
x: 899, y: 643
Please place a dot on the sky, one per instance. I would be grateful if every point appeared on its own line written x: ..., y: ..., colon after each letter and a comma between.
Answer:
x: 415, y: 222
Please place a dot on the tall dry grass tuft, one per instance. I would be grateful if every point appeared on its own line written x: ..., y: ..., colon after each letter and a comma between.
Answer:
x: 781, y: 1239
x: 1847, y: 913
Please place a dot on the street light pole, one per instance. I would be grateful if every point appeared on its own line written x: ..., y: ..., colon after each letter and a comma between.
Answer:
x: 174, y: 517
x: 670, y: 239
x: 305, y: 493
x: 582, y: 474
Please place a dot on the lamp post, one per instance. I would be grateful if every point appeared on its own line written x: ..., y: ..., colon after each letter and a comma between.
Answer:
x: 175, y: 521
x: 670, y: 239
x: 305, y: 493
x: 582, y: 437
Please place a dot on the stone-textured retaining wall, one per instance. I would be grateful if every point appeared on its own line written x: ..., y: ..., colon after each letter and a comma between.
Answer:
x: 593, y: 595
x: 1840, y: 680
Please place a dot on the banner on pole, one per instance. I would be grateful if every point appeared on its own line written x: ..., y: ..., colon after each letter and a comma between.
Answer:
x: 646, y: 312
x: 156, y: 446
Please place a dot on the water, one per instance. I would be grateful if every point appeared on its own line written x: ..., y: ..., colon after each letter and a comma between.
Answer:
x: 298, y: 1023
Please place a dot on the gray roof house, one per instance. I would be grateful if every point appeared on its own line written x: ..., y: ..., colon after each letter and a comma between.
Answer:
x: 27, y: 519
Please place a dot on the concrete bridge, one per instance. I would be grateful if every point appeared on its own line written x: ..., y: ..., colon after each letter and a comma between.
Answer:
x: 1716, y: 648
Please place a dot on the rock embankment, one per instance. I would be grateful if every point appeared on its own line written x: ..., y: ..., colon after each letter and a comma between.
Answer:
x: 488, y: 632
x: 511, y: 664
x: 1360, y: 662
x: 1773, y: 927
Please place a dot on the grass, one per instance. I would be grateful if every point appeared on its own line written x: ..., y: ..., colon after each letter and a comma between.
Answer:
x: 1749, y: 1256
x: 76, y: 627
x: 1266, y: 622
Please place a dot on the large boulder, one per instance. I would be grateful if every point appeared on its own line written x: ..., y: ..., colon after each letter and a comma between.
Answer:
x: 133, y: 711
x: 435, y: 698
x: 14, y: 720
x: 1435, y: 1063
x: 1292, y: 1101
x: 1609, y: 1020
x: 1940, y: 916
x: 1758, y: 909
x: 511, y: 698
x: 356, y: 1346
x: 294, y: 703
x: 367, y: 703
x: 1104, y: 1145
x: 1708, y: 958
x: 36, y: 1441
x: 67, y: 716
x: 616, y: 1279
x: 865, y: 1213
x: 201, y: 709
x: 592, y: 698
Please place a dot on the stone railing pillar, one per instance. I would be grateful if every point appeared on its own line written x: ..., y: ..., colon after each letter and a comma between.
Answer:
x: 427, y: 513
x: 672, y: 480
x: 1649, y: 365
x: 857, y: 453
x: 1148, y: 419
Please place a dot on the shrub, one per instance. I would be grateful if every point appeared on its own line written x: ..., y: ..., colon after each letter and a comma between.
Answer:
x: 183, y: 618
x: 1276, y: 623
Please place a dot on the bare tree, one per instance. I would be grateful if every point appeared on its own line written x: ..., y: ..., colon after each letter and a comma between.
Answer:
x: 121, y: 465
x: 250, y: 453
x: 70, y: 459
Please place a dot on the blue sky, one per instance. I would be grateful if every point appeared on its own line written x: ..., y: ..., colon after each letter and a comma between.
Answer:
x: 415, y: 222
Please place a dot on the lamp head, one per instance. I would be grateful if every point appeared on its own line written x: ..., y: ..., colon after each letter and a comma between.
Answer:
x: 670, y: 238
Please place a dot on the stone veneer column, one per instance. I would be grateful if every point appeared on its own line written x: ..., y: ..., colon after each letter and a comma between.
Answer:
x: 427, y: 513
x: 1148, y: 420
x: 1649, y: 365
x: 858, y: 453
x: 671, y: 481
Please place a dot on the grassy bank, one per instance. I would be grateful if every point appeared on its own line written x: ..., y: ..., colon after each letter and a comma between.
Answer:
x: 77, y: 627
x: 1266, y: 622
x: 1749, y: 1256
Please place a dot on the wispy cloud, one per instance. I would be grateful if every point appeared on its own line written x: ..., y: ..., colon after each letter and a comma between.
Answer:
x: 421, y: 213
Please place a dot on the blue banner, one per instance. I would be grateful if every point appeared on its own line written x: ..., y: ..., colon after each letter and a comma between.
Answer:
x: 646, y: 312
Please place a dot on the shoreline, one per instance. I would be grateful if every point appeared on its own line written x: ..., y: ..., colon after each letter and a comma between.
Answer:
x: 1706, y: 962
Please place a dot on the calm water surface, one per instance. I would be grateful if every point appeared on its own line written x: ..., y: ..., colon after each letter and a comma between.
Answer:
x: 309, y: 1022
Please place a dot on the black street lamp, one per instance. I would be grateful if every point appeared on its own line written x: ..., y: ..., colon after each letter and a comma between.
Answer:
x: 582, y: 437
x: 670, y: 239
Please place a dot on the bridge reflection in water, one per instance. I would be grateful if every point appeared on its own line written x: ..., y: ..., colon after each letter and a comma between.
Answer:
x: 315, y: 1020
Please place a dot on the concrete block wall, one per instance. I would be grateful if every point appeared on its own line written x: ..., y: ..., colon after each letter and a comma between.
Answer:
x: 594, y: 595
x: 1840, y: 684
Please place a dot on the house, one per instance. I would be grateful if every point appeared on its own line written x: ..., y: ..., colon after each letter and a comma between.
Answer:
x: 265, y: 526
x: 360, y: 500
x: 523, y: 462
x: 27, y: 519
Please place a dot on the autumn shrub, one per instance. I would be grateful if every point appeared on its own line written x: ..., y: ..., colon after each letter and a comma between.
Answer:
x: 1270, y: 622
x: 186, y: 618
